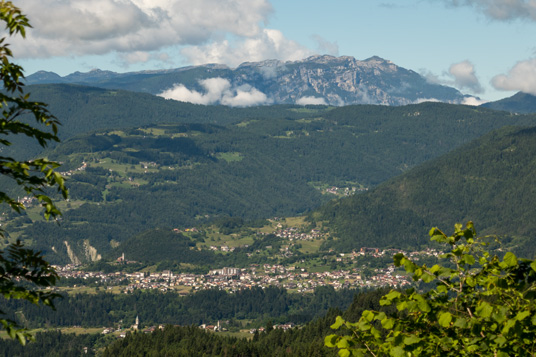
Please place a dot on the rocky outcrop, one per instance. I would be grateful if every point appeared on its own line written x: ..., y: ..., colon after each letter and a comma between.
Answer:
x: 91, y: 252
x: 74, y: 259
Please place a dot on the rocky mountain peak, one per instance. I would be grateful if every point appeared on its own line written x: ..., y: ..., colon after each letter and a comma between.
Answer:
x: 318, y: 79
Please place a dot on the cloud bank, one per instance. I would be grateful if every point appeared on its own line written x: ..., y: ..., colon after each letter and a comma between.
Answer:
x: 311, y: 101
x: 473, y: 101
x: 218, y: 91
x: 138, y: 31
x: 465, y: 77
x: 522, y: 77
x: 101, y: 26
x: 267, y: 44
x: 461, y: 75
x: 501, y: 9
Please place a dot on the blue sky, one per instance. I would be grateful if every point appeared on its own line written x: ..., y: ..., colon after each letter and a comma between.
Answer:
x: 486, y: 48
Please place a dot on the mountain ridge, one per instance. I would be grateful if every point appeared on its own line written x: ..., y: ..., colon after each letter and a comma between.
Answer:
x: 319, y: 79
x: 522, y: 103
x: 489, y: 181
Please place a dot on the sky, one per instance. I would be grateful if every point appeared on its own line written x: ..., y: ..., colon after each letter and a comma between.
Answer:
x: 485, y: 48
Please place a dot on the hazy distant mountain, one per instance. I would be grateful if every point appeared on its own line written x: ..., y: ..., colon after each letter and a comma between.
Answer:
x: 315, y: 80
x: 518, y: 103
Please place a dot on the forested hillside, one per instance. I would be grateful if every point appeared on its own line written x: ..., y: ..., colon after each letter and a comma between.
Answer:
x: 490, y: 181
x: 252, y: 164
x: 256, y: 305
x: 518, y: 103
x: 82, y: 109
x: 188, y: 340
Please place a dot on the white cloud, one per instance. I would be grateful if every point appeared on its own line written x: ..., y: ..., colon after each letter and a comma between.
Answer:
x: 474, y: 101
x: 465, y: 77
x: 311, y: 101
x: 426, y: 100
x: 268, y: 44
x: 501, y: 9
x: 81, y: 27
x: 461, y: 75
x: 326, y: 47
x: 129, y: 58
x: 522, y: 77
x: 244, y: 96
x: 218, y: 91
x: 429, y: 76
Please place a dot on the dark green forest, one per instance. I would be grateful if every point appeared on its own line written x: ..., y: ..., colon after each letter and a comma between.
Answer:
x: 189, y: 340
x: 490, y: 181
x: 206, y: 306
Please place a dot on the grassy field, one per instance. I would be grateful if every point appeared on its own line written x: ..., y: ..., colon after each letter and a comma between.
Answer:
x: 90, y: 290
x: 242, y: 334
x: 229, y: 156
x: 310, y: 246
x: 75, y: 330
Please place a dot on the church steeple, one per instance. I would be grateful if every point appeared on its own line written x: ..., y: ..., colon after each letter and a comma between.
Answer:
x: 136, y: 324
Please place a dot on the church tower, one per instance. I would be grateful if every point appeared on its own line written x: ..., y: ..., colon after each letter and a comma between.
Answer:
x: 136, y: 324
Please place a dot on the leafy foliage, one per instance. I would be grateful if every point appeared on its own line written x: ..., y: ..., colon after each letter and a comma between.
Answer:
x: 481, y: 305
x: 23, y: 272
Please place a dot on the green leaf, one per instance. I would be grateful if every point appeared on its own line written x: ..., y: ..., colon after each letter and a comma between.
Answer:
x: 508, y: 326
x: 331, y: 340
x: 500, y: 340
x: 522, y: 315
x: 393, y: 294
x: 469, y: 280
x: 410, y: 340
x: 460, y: 322
x: 422, y: 303
x: 368, y: 315
x: 533, y: 265
x: 397, y: 258
x: 388, y: 323
x: 344, y: 353
x: 510, y: 259
x: 398, y: 352
x: 435, y: 269
x: 484, y: 309
x: 343, y: 342
x: 469, y: 259
x: 426, y: 277
x: 339, y: 321
x: 444, y: 319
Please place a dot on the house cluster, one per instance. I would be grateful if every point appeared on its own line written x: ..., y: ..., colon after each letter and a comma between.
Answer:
x: 223, y: 248
x: 71, y: 172
x: 147, y: 165
x: 225, y: 271
x: 233, y: 279
x: 27, y: 201
x: 293, y: 233
x: 215, y: 328
x: 135, y: 327
x: 344, y: 191
x: 284, y: 327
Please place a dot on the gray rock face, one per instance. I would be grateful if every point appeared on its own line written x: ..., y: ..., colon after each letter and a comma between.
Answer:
x: 314, y: 80
x: 345, y: 80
